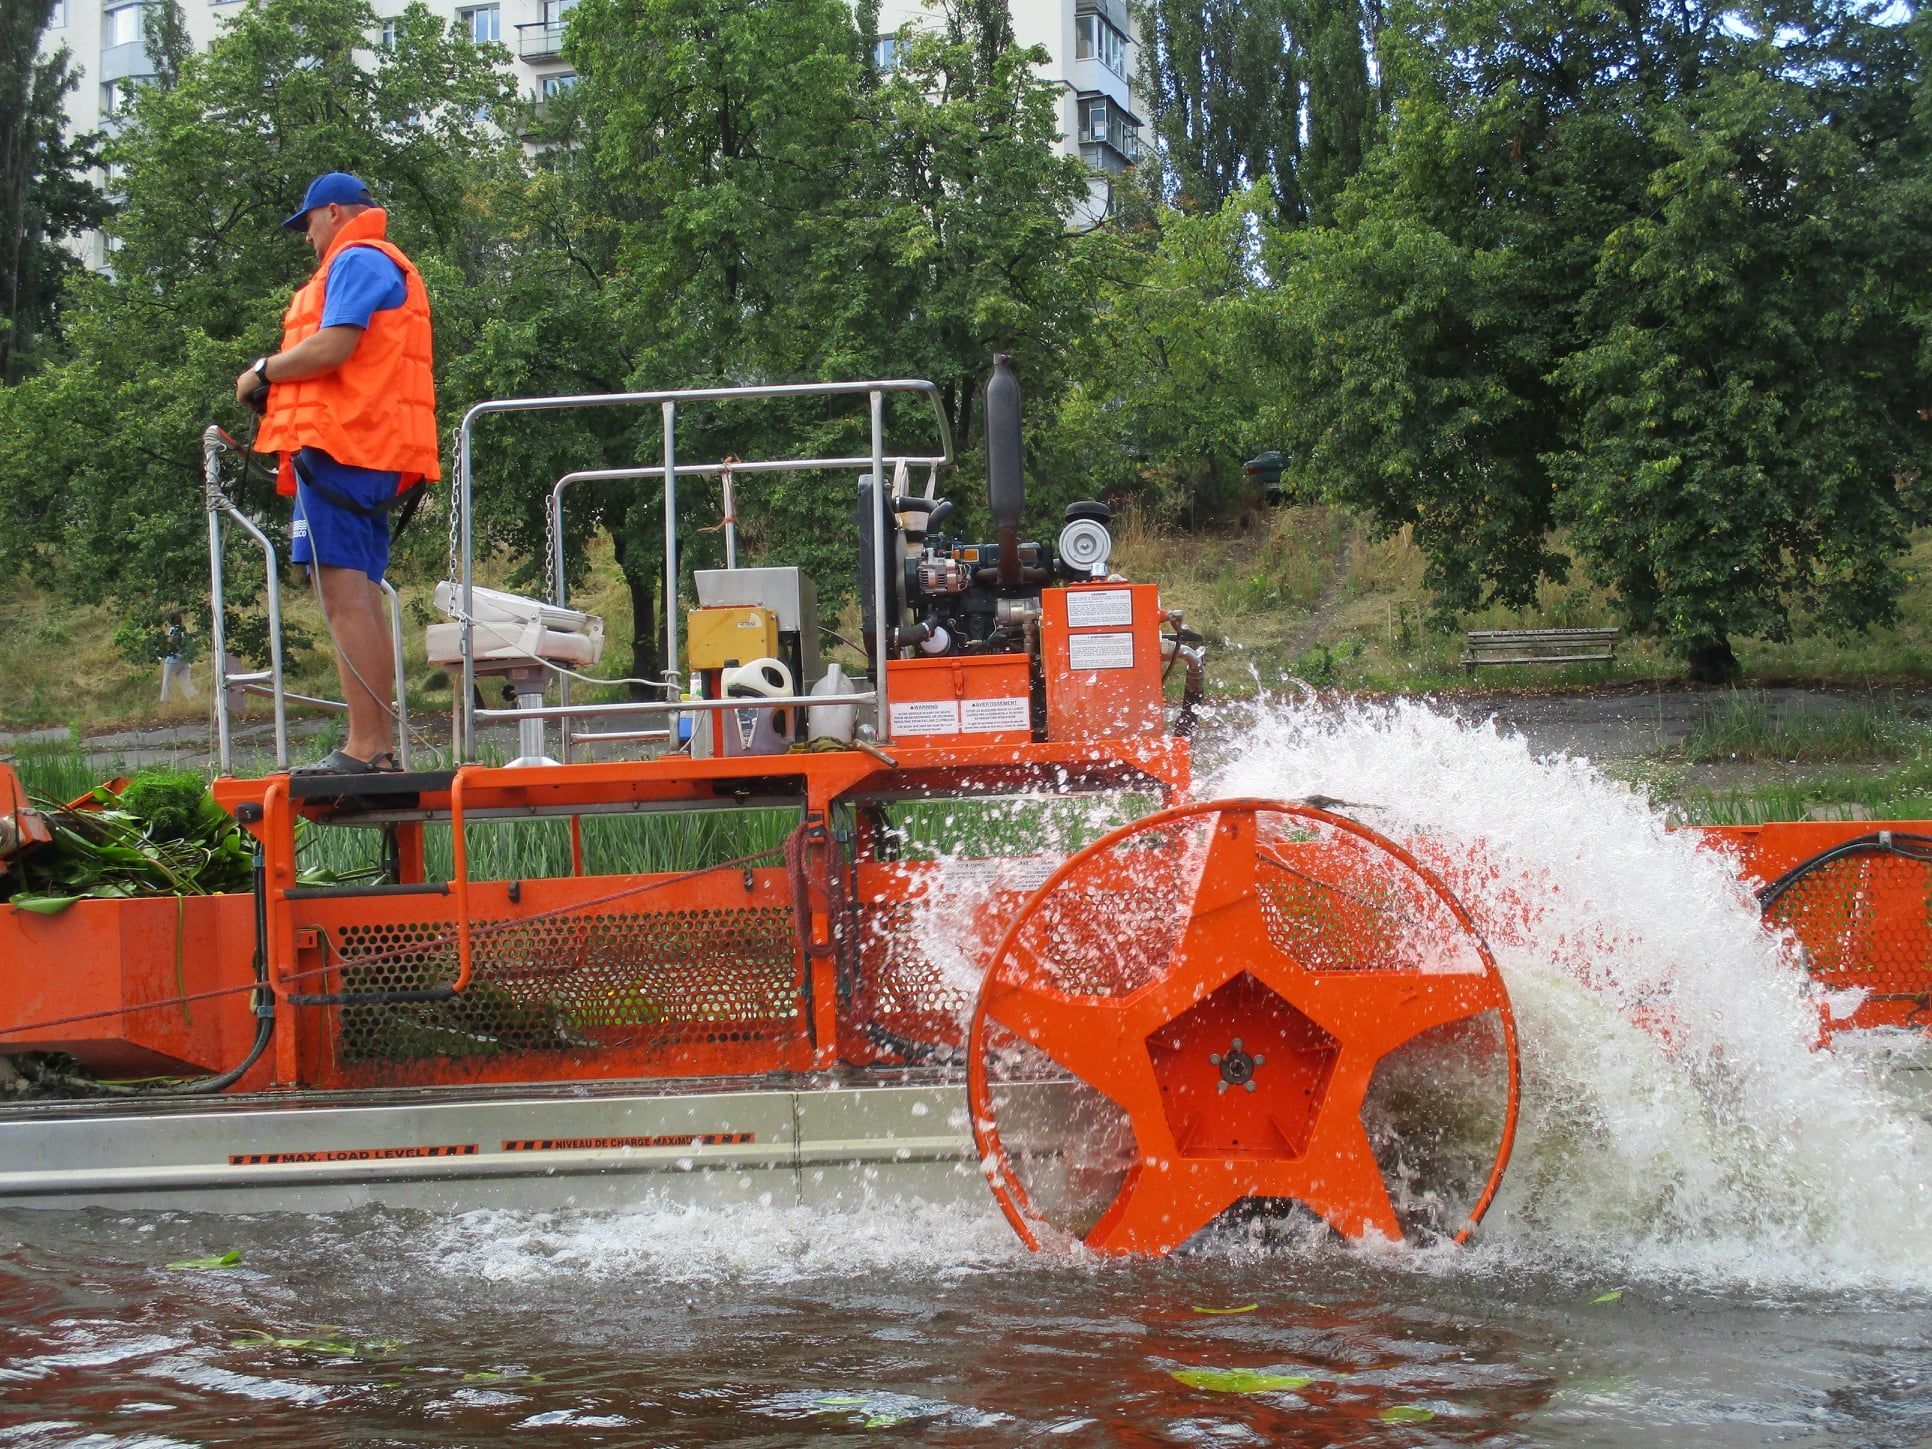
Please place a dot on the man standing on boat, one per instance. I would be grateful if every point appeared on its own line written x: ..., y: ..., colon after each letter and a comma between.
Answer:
x: 349, y: 402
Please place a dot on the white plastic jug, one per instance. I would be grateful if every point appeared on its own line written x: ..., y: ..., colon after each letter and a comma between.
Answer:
x: 833, y: 721
x: 757, y: 731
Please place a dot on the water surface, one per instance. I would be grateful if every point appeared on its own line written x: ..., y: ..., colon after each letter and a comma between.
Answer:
x: 1710, y: 1233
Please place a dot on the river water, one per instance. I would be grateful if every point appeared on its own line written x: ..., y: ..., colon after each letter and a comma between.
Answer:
x: 1709, y: 1234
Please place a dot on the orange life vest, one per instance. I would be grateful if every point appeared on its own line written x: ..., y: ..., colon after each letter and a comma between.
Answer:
x: 377, y: 410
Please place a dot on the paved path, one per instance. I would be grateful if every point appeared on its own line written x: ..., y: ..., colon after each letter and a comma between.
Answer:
x: 1639, y: 722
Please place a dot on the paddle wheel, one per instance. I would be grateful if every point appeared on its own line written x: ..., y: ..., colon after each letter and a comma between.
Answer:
x: 1234, y: 1001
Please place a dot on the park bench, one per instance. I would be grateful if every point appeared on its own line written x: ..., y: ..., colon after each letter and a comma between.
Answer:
x: 1539, y: 646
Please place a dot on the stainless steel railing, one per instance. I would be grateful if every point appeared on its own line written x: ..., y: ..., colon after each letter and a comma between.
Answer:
x: 670, y: 471
x: 273, y: 680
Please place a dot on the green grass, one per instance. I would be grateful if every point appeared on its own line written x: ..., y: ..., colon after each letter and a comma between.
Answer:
x: 1308, y: 591
x: 1748, y: 726
x: 57, y: 772
x: 540, y: 848
x: 1904, y: 793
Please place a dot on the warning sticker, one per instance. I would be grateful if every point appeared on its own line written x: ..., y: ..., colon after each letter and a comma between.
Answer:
x: 1100, y: 651
x: 925, y: 717
x: 352, y: 1154
x: 606, y: 1144
x: 1090, y: 608
x: 1020, y: 874
x: 982, y: 716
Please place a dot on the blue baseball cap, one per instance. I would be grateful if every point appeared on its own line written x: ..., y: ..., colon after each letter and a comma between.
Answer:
x: 336, y: 186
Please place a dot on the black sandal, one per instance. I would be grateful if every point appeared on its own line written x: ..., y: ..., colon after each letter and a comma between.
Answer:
x: 337, y: 762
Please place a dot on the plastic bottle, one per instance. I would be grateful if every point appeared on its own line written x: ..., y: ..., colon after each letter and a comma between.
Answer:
x: 833, y: 721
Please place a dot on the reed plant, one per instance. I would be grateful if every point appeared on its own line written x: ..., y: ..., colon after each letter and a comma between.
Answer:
x: 1904, y: 793
x: 1750, y: 726
x: 57, y: 771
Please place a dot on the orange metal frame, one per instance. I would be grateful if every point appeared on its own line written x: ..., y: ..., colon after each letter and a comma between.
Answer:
x: 831, y: 899
x: 1869, y: 926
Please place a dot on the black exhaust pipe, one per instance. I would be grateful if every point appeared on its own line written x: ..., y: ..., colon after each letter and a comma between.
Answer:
x: 1005, y: 483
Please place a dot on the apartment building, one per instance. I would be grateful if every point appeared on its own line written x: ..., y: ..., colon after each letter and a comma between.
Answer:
x: 1090, y: 46
x: 1092, y: 55
x: 110, y: 50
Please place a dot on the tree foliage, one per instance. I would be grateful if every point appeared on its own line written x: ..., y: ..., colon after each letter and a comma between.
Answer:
x: 1271, y: 90
x: 100, y: 453
x: 1651, y: 273
x: 45, y: 198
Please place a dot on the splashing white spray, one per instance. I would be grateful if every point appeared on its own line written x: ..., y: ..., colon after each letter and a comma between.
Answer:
x: 1676, y: 1118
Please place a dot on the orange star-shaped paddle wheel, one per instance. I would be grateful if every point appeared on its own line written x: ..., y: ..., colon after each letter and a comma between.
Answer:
x: 1242, y: 1071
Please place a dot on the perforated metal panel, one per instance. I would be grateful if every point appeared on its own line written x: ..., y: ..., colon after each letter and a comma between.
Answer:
x: 903, y: 1003
x: 637, y: 979
x: 1864, y: 920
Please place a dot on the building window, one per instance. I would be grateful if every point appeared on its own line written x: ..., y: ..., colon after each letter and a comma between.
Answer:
x: 118, y: 95
x: 1109, y: 135
x: 551, y: 86
x: 483, y: 22
x: 387, y: 39
x: 121, y: 26
x: 57, y: 18
x: 885, y: 53
x: 1095, y: 39
x: 544, y: 38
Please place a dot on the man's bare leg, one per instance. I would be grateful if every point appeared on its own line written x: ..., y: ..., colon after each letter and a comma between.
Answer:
x: 363, y: 658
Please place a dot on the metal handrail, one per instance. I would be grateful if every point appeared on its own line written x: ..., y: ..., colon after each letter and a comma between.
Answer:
x: 668, y: 400
x: 559, y: 586
x: 682, y: 706
x: 214, y: 442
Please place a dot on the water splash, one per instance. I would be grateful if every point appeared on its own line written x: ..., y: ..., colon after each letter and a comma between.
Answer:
x: 1678, y: 1125
x: 764, y: 1243
x: 1677, y: 1121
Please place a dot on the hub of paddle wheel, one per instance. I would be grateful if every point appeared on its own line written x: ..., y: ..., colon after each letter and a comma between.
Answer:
x: 1243, y: 1002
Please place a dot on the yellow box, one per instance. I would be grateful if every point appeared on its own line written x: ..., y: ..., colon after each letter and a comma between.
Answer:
x: 730, y: 634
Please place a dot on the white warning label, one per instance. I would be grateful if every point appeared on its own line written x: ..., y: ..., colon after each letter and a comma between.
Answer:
x: 1020, y: 873
x: 982, y: 716
x: 1100, y: 651
x: 1092, y: 608
x: 925, y: 717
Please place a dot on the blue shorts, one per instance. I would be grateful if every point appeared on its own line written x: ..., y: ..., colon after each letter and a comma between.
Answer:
x: 324, y: 532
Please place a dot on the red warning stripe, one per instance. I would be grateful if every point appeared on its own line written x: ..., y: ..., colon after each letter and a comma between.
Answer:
x: 353, y: 1154
x: 596, y: 1144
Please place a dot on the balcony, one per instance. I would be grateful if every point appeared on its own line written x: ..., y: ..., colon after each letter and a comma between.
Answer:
x: 1114, y: 12
x: 541, y: 40
x: 1108, y: 134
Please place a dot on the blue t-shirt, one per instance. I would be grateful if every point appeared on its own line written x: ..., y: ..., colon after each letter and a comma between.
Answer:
x: 362, y: 282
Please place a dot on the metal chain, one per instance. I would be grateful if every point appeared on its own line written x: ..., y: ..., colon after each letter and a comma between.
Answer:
x: 547, y: 576
x: 454, y: 534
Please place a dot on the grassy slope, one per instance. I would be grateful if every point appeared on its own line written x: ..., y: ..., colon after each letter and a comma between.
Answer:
x: 1302, y: 590
x: 1307, y: 591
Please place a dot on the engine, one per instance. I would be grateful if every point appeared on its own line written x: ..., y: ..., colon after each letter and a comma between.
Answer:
x: 949, y: 595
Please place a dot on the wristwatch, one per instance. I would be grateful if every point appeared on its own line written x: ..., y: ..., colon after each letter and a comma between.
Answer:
x: 260, y: 369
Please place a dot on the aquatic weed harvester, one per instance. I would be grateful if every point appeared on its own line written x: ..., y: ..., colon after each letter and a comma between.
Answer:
x: 1240, y: 1005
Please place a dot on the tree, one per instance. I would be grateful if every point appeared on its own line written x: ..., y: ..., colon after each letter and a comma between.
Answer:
x: 1744, y: 437
x: 745, y: 199
x: 1172, y: 378
x: 100, y: 453
x: 958, y: 235
x: 45, y: 197
x: 1235, y: 87
x: 1224, y: 82
x: 1651, y: 273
